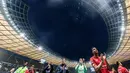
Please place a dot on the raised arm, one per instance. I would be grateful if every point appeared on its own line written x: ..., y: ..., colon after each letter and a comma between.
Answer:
x: 104, y: 57
x: 76, y: 66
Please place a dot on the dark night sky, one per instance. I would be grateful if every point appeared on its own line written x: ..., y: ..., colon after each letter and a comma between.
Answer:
x: 68, y: 27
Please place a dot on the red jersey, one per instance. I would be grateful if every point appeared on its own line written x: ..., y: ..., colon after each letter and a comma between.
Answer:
x: 29, y: 71
x: 96, y: 61
x: 122, y: 69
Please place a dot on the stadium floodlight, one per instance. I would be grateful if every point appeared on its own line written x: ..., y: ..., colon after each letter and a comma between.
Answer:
x: 15, y: 27
x: 7, y: 15
x: 3, y: 2
x: 6, y: 12
x: 121, y: 12
x: 9, y: 19
x: 25, y: 38
x: 118, y: 1
x: 29, y: 41
x: 11, y: 22
x: 120, y: 8
x: 5, y: 9
x: 120, y: 39
x: 18, y: 31
x: 122, y: 16
x: 119, y: 5
x: 22, y: 35
x: 122, y: 28
x: 4, y: 6
x: 123, y: 23
x: 123, y: 19
x: 40, y: 48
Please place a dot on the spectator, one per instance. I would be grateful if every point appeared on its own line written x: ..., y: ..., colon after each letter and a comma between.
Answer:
x: 22, y: 69
x: 113, y: 71
x: 62, y: 68
x: 30, y: 70
x: 48, y: 68
x: 121, y: 69
x: 37, y: 71
x: 81, y: 68
x: 12, y: 70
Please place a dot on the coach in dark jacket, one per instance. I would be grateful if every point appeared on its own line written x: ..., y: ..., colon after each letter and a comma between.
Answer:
x: 62, y: 68
x: 48, y: 68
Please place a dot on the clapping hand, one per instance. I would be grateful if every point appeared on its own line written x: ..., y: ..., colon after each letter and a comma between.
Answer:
x: 101, y: 56
x: 104, y: 56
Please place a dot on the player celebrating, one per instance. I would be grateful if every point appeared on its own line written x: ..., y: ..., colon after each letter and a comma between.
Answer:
x: 99, y: 63
x: 121, y: 69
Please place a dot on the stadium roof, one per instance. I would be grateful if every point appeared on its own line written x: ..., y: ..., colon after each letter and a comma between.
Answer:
x: 16, y: 34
